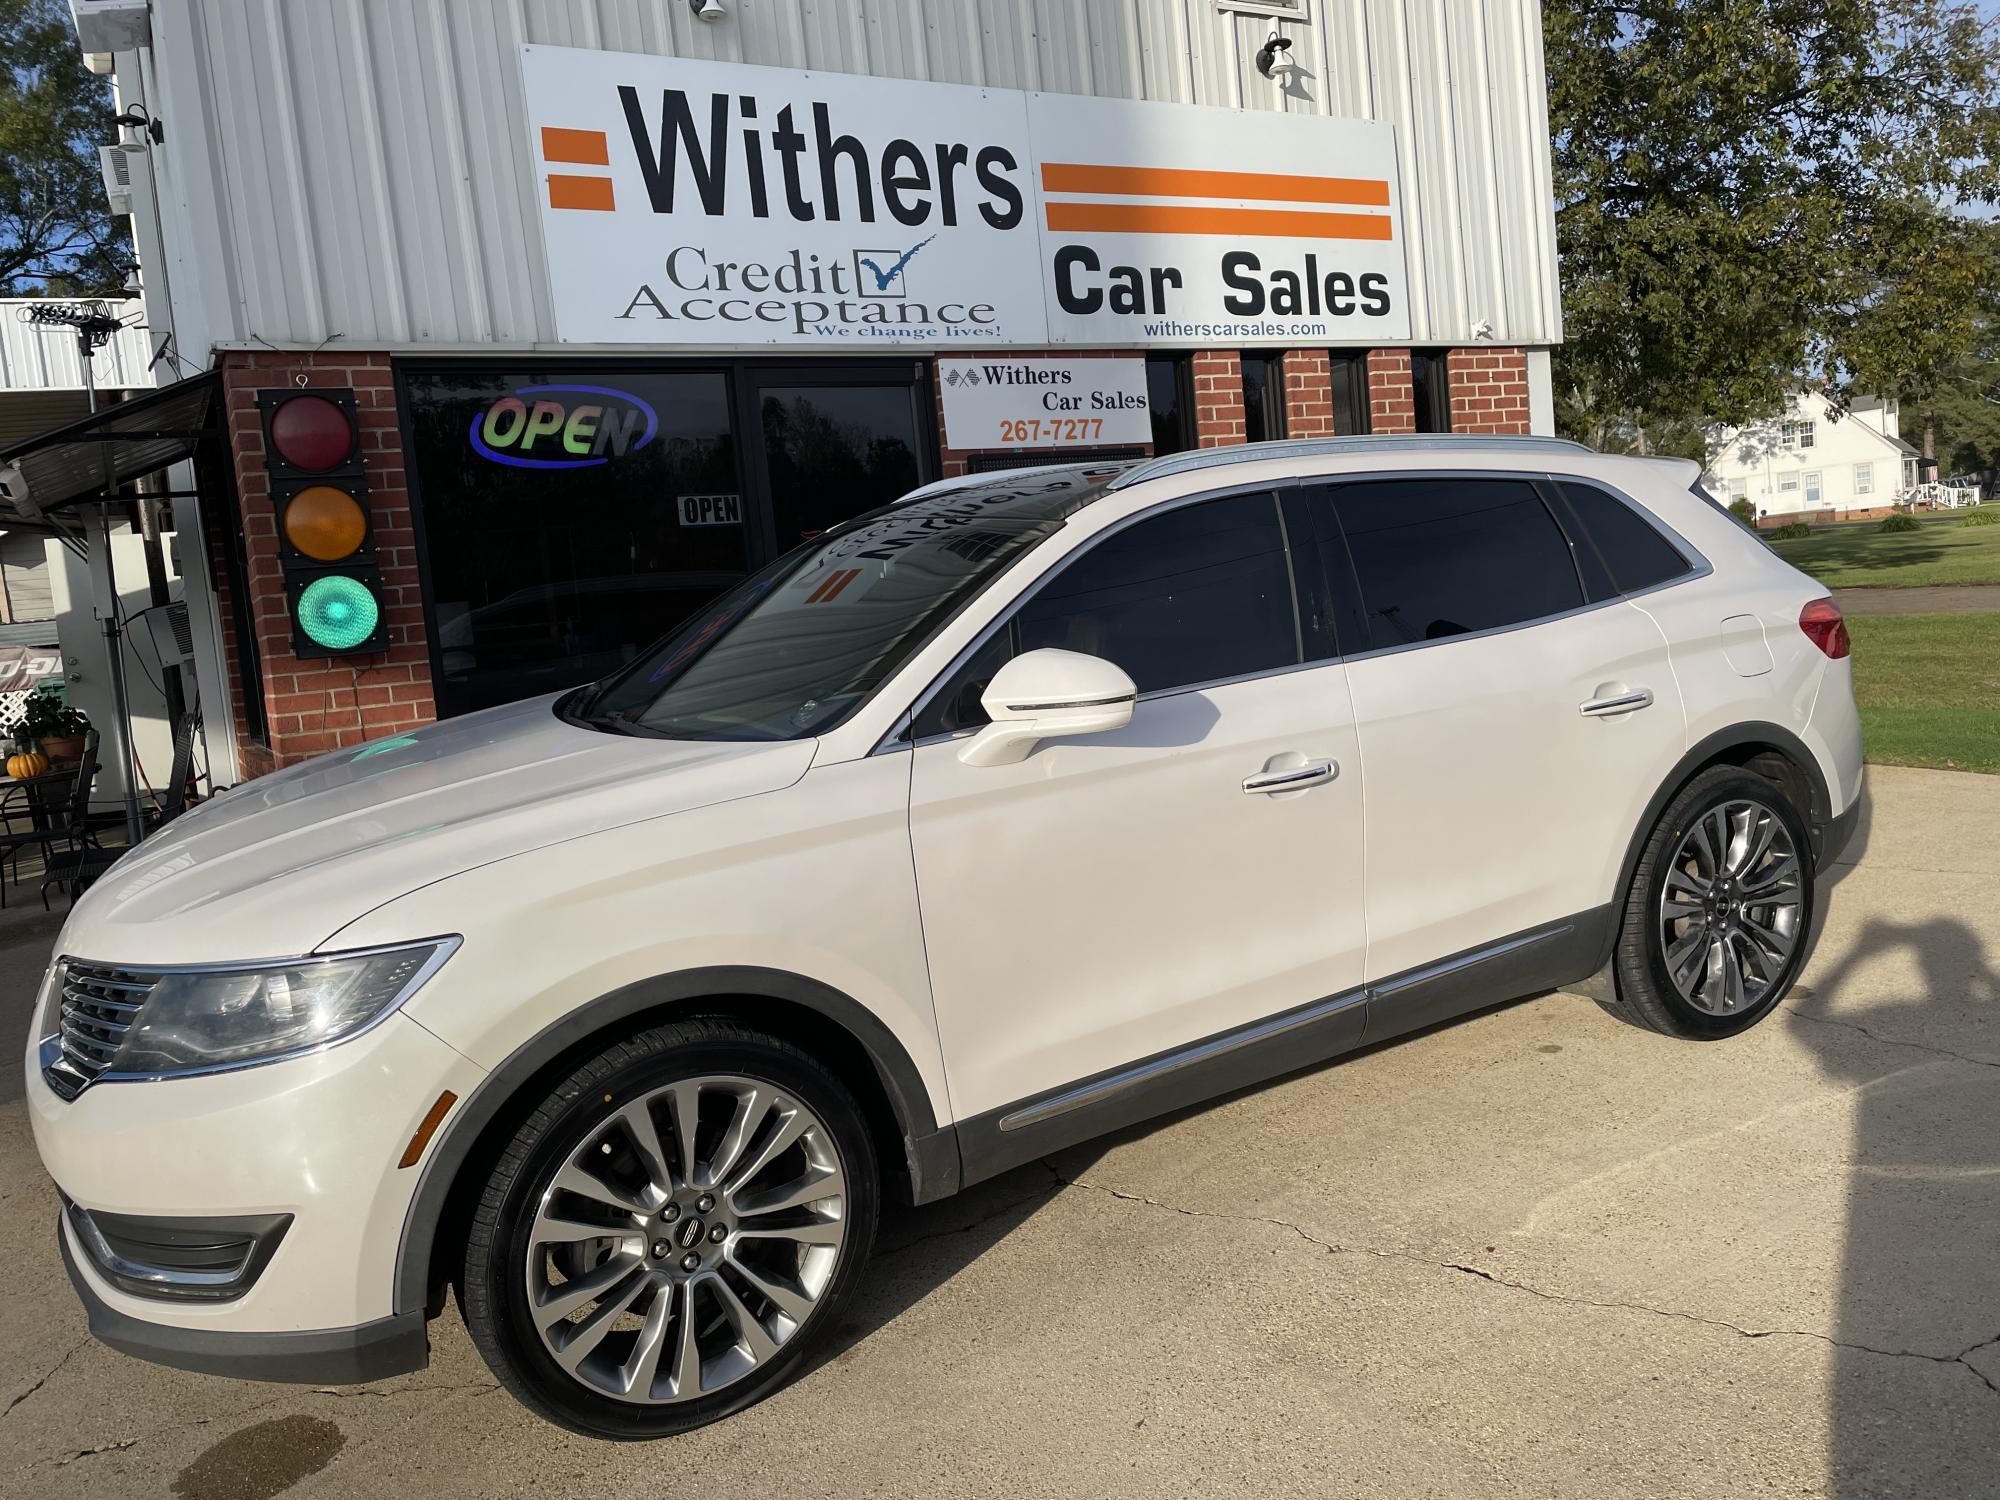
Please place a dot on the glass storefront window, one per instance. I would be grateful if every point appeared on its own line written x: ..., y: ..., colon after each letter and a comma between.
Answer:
x: 1169, y: 394
x: 570, y: 519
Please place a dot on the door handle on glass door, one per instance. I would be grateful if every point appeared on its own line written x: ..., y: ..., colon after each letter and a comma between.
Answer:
x: 1293, y: 778
x: 1618, y: 703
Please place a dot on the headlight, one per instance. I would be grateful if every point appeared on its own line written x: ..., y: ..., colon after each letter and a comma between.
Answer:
x: 224, y: 1015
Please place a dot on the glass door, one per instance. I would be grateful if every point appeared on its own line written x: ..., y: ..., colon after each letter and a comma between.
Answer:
x: 834, y: 441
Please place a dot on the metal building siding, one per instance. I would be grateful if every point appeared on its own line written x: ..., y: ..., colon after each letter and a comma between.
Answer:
x: 369, y: 177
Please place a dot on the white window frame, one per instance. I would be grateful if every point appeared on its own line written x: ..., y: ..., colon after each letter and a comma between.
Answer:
x: 1739, y: 489
x: 1800, y: 435
x: 1788, y: 482
x: 1277, y: 10
x: 1814, y: 486
x: 1864, y: 479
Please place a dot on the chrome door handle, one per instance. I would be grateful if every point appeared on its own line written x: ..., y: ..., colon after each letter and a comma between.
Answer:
x: 1618, y: 703
x: 1293, y: 778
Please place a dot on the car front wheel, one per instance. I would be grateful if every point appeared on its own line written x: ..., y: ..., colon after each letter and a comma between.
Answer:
x: 1716, y: 920
x: 671, y: 1231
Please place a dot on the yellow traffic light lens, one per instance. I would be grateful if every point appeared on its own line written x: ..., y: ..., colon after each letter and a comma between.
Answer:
x: 325, y: 523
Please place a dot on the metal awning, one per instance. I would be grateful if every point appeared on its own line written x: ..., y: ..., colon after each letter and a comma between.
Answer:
x: 86, y: 460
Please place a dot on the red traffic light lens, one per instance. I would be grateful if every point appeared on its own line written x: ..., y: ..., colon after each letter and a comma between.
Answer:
x: 310, y: 432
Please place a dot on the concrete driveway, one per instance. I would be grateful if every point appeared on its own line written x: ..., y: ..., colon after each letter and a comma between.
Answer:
x: 1532, y: 1253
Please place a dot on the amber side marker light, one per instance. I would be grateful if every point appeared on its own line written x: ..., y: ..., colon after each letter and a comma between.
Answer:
x: 433, y: 1117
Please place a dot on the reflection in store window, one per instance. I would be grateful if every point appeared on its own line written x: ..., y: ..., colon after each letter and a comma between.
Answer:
x: 557, y: 541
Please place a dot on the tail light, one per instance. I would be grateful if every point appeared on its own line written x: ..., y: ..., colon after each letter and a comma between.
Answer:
x: 1824, y: 627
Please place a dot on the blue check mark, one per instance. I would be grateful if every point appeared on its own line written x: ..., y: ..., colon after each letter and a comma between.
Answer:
x: 882, y: 277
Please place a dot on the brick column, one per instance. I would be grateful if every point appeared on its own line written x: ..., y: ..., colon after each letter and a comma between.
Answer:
x: 1308, y: 394
x: 1489, y: 390
x: 313, y: 706
x: 1392, y: 405
x: 1218, y: 399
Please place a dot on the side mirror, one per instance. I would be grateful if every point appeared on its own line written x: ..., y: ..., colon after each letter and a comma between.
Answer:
x: 1043, y: 695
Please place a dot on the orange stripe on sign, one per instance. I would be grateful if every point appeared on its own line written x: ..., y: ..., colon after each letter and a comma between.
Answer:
x: 1178, y: 182
x: 1162, y: 218
x: 579, y: 192
x: 830, y: 589
x: 590, y: 148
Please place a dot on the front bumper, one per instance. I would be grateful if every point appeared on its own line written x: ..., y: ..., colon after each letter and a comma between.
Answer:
x: 312, y: 1141
x: 394, y: 1345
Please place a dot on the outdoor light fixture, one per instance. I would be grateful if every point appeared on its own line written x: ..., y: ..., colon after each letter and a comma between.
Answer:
x: 312, y: 449
x: 1274, y: 58
x: 707, y: 10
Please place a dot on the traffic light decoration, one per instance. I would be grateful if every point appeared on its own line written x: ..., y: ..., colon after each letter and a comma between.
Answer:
x: 326, y: 542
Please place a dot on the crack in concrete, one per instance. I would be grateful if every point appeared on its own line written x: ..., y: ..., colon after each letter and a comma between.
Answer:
x: 1894, y: 1041
x: 70, y: 1354
x: 1027, y: 1200
x: 1411, y: 1257
x: 115, y: 1447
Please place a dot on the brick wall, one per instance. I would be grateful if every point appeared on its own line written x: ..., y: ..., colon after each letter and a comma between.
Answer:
x: 314, y: 706
x: 1218, y: 398
x: 1489, y: 390
x: 1392, y: 405
x: 1308, y: 394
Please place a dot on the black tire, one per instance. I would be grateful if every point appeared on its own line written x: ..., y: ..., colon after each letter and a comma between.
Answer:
x: 493, y: 1290
x: 1646, y: 993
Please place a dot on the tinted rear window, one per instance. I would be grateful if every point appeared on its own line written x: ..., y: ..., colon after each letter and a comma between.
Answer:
x: 1435, y: 558
x: 1632, y: 549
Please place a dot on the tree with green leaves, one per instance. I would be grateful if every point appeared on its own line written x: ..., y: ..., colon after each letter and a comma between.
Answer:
x: 56, y: 230
x: 1752, y: 194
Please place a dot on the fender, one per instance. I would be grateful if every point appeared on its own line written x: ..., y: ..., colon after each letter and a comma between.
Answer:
x: 933, y: 1161
x: 1751, y: 735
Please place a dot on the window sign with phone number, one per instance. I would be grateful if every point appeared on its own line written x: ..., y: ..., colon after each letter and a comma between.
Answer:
x: 1044, y: 403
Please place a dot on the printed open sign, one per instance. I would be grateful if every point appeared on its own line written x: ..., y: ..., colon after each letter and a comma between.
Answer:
x: 711, y: 510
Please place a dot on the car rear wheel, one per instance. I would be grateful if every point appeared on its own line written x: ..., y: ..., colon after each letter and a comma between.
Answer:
x: 1716, y: 921
x: 671, y: 1231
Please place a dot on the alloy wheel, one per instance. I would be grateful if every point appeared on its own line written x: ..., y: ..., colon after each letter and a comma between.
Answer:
x: 686, y: 1239
x: 1731, y: 908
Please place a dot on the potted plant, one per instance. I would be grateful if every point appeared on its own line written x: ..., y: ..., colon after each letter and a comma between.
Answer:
x: 53, y: 725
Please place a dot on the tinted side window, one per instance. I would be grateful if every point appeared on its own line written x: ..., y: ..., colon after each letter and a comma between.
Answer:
x: 1199, y: 593
x: 1435, y: 558
x: 1632, y: 548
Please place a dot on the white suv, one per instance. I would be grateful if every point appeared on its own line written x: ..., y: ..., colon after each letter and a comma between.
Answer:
x: 1023, y: 809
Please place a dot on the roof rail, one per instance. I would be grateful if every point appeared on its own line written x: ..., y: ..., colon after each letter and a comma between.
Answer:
x: 1246, y: 453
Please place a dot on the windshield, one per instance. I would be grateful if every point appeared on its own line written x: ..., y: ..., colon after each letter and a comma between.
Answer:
x: 793, y: 649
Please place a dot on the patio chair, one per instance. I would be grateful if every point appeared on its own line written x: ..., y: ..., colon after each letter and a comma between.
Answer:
x: 53, y: 823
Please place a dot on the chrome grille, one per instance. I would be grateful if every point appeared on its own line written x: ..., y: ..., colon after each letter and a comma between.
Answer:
x: 98, y: 1006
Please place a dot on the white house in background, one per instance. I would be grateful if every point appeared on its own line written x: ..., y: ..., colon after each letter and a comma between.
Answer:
x: 1817, y: 457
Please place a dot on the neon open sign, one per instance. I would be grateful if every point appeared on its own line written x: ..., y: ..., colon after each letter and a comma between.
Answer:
x: 563, y: 427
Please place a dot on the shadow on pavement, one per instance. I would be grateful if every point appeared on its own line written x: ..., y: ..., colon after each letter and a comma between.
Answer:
x: 1922, y: 1250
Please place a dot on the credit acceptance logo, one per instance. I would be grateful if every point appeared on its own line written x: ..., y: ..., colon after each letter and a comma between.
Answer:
x: 563, y: 427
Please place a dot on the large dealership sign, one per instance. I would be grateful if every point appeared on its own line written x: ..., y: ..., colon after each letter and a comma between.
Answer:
x: 688, y: 202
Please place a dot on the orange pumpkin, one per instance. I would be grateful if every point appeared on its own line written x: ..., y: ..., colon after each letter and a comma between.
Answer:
x: 27, y: 766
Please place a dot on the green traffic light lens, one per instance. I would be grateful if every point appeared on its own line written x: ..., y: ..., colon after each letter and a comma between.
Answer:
x: 338, y: 613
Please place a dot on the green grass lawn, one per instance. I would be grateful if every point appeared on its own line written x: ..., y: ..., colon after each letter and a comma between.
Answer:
x: 1862, y: 557
x: 1929, y: 687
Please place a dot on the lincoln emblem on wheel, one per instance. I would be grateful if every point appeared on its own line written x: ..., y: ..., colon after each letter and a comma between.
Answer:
x: 657, y: 988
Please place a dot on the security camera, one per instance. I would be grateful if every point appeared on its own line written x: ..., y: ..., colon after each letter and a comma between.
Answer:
x: 707, y: 10
x: 14, y: 488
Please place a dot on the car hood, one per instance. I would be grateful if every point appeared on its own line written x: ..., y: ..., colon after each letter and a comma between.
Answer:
x: 277, y: 866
